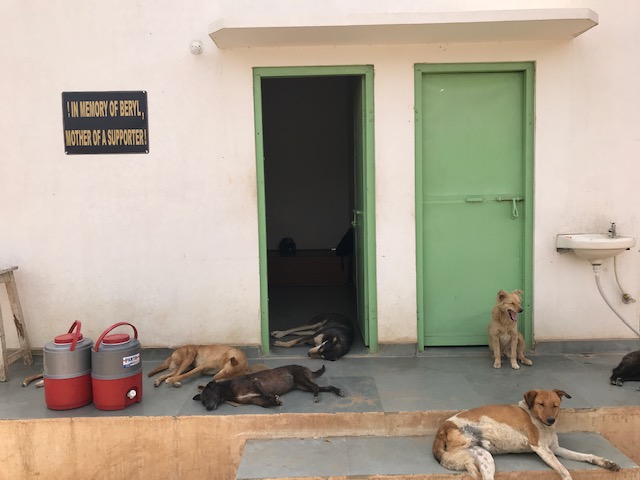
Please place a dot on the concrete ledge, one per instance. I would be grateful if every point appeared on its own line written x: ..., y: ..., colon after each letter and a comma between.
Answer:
x: 211, y: 446
x: 586, y: 346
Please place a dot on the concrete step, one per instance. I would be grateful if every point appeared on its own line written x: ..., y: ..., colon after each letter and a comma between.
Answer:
x: 406, y: 457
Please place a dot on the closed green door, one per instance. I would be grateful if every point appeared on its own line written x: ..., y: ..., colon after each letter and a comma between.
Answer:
x: 473, y: 198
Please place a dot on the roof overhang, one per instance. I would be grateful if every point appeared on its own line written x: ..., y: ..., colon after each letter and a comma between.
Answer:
x: 238, y: 27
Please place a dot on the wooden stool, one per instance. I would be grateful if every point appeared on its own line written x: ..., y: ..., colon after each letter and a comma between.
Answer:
x: 6, y: 277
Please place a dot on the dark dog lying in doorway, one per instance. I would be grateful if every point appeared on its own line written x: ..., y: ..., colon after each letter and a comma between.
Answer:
x: 627, y: 370
x: 331, y: 333
x: 263, y: 388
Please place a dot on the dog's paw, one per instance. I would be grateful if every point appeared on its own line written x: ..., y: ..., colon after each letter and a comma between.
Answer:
x: 497, y: 365
x: 609, y: 465
x: 277, y: 399
x: 277, y: 334
x: 278, y: 343
x: 340, y: 393
x: 157, y: 383
x: 526, y: 361
x: 515, y: 366
x: 177, y: 384
x: 618, y: 382
x: 316, y: 399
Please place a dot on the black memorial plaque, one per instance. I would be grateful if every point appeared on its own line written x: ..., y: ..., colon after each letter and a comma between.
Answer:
x: 105, y: 122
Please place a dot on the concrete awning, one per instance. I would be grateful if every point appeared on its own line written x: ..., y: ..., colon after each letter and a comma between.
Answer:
x: 239, y: 27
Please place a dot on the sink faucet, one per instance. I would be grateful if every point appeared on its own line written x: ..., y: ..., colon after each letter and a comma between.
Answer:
x: 612, y: 231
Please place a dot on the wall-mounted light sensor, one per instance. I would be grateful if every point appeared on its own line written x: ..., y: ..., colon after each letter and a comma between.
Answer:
x: 196, y: 47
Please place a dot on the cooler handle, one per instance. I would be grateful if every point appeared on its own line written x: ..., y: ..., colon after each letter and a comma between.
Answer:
x: 104, y: 334
x: 75, y: 324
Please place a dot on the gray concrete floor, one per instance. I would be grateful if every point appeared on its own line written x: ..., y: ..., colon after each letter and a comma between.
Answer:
x: 362, y: 456
x: 445, y: 379
x: 394, y: 380
x: 440, y: 379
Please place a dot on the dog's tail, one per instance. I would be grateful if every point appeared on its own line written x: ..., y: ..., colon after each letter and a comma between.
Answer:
x: 477, y: 461
x: 317, y: 373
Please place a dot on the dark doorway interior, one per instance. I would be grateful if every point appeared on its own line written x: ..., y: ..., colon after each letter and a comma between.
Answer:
x: 308, y: 164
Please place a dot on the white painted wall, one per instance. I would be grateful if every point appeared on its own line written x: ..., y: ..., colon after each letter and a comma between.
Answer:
x: 169, y: 240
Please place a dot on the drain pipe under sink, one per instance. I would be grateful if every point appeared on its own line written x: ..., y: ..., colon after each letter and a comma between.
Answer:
x: 596, y: 271
x: 626, y: 298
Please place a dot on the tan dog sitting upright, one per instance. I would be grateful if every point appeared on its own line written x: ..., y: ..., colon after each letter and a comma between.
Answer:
x: 228, y: 362
x: 467, y: 440
x: 504, y: 337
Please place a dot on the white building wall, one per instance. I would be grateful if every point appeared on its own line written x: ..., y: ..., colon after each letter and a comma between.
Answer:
x: 169, y: 241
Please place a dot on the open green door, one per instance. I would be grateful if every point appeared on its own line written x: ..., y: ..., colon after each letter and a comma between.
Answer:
x: 363, y: 191
x: 363, y: 217
x: 474, y: 189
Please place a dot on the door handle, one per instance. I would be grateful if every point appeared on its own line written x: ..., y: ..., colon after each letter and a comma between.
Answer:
x: 354, y: 222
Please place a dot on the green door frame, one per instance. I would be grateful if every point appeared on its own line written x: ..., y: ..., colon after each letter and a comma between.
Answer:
x: 527, y: 68
x: 368, y: 217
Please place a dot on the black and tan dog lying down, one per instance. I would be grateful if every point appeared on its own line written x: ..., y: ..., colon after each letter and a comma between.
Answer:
x: 330, y: 333
x: 263, y: 388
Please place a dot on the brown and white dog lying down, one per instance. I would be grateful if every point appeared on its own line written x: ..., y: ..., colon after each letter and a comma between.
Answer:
x: 228, y: 362
x: 263, y: 388
x: 504, y: 337
x: 467, y: 440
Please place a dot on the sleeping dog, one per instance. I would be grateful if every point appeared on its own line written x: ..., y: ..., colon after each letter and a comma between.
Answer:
x: 263, y: 388
x: 190, y: 360
x: 468, y: 440
x: 627, y: 370
x: 331, y: 333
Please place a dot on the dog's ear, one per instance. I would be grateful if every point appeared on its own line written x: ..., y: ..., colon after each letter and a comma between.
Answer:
x: 502, y: 295
x: 233, y: 361
x: 211, y: 384
x: 518, y: 292
x: 530, y: 398
x: 198, y: 397
x: 561, y: 393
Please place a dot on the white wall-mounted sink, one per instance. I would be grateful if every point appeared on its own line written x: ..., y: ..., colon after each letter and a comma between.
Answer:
x: 594, y: 246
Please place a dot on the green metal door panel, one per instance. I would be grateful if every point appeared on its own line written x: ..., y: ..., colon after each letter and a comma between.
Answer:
x: 358, y: 221
x: 472, y: 132
x: 472, y: 191
x: 469, y: 254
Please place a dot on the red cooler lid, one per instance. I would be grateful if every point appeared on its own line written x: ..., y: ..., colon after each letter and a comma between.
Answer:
x: 66, y: 338
x: 116, y: 338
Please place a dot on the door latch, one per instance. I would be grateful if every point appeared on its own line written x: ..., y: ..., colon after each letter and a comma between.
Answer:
x: 513, y: 200
x: 354, y: 222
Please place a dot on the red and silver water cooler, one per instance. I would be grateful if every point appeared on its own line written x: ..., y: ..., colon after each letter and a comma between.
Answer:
x: 116, y: 374
x: 67, y: 370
